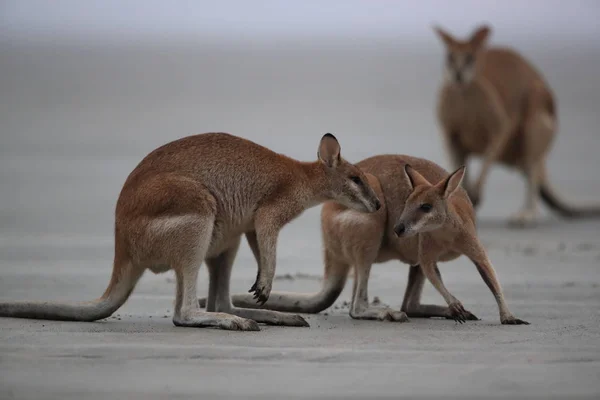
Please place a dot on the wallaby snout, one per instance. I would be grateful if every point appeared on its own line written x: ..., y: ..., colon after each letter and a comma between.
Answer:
x: 373, y: 204
x: 368, y: 198
x: 400, y: 229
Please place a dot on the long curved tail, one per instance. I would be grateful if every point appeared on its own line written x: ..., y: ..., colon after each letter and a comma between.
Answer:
x: 120, y: 287
x: 552, y: 200
x: 309, y: 303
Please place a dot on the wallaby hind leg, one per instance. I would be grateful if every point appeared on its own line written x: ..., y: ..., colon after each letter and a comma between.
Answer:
x: 187, y: 312
x: 238, y: 300
x: 412, y: 298
x: 220, y: 271
x: 538, y: 134
x: 526, y: 217
x: 360, y: 308
x: 458, y: 157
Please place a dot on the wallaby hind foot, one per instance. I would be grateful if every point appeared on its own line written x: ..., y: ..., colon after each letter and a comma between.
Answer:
x: 200, y: 319
x: 379, y: 314
x: 270, y: 317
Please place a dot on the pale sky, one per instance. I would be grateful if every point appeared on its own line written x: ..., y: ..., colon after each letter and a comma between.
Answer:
x: 223, y: 19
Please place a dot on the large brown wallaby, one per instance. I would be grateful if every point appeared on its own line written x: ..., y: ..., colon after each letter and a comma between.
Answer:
x: 190, y: 201
x: 496, y: 105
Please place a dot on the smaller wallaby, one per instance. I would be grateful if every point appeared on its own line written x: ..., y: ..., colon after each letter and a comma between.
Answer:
x: 495, y: 104
x: 190, y: 201
x: 425, y: 218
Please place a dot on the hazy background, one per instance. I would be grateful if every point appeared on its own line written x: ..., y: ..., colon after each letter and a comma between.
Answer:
x: 88, y: 88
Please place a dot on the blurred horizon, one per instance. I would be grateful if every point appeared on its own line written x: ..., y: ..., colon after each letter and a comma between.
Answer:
x: 90, y: 87
x: 263, y: 21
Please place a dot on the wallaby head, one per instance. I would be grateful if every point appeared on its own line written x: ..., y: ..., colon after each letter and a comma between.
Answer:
x: 426, y: 208
x: 462, y: 56
x: 346, y: 183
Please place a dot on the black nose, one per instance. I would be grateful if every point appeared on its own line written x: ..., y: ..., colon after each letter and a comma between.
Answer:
x: 377, y: 204
x: 458, y: 76
x: 400, y: 229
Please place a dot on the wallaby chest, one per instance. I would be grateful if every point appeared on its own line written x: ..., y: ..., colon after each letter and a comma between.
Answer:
x: 470, y: 117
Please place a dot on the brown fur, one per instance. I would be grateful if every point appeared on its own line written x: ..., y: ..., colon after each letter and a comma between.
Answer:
x: 357, y: 240
x: 190, y: 201
x: 496, y: 105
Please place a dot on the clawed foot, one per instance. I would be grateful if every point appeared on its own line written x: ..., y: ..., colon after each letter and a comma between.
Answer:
x: 511, y: 320
x: 261, y: 291
x: 522, y: 219
x: 379, y: 314
x: 217, y: 320
x: 469, y: 316
x: 271, y: 317
x: 391, y: 315
x: 459, y: 314
x: 289, y: 320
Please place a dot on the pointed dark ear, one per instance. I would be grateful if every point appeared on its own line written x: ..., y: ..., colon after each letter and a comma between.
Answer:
x: 480, y: 36
x: 452, y: 182
x: 415, y: 178
x: 329, y: 151
x: 445, y: 36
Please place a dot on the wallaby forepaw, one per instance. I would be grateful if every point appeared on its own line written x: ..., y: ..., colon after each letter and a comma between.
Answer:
x: 261, y: 292
x: 471, y: 316
x: 458, y: 313
x: 513, y: 321
x: 391, y: 315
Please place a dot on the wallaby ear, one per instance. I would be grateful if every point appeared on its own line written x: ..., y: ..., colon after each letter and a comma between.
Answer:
x: 452, y: 181
x: 480, y: 36
x: 329, y: 151
x: 415, y: 178
x: 445, y: 36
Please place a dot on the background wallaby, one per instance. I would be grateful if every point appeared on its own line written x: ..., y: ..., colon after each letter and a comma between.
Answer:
x: 190, y: 201
x: 496, y: 105
x: 425, y: 218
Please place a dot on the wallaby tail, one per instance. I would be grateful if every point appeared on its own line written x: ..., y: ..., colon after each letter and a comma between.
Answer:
x: 120, y: 287
x: 552, y: 200
x: 309, y: 303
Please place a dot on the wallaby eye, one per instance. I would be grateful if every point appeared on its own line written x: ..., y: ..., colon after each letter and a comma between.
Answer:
x: 356, y: 180
x: 450, y: 58
x: 425, y: 207
x: 469, y: 59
